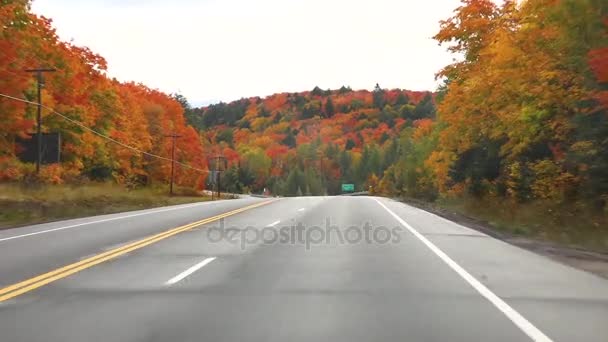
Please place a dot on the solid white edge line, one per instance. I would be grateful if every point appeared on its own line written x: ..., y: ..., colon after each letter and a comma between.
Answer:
x: 100, y: 221
x: 189, y: 271
x: 522, y: 323
x: 274, y: 223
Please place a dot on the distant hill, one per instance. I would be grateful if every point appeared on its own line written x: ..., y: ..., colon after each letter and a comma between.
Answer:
x: 316, y: 137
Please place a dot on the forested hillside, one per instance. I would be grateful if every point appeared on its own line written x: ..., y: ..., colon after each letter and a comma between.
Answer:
x: 310, y: 143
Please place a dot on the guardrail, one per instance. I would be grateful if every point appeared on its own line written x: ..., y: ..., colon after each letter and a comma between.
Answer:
x: 360, y: 193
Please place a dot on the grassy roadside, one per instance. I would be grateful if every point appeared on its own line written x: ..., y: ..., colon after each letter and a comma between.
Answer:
x: 21, y: 205
x: 569, y: 226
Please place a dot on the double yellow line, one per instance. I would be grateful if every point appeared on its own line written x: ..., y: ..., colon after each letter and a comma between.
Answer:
x: 43, y: 279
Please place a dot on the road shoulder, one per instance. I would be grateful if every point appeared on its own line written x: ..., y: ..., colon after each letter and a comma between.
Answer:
x: 590, y: 261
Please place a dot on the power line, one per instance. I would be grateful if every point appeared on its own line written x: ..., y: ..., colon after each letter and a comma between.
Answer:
x: 81, y: 125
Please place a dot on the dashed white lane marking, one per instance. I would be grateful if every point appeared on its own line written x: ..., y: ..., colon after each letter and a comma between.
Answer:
x: 301, y: 209
x: 189, y: 271
x: 274, y: 223
x: 522, y: 323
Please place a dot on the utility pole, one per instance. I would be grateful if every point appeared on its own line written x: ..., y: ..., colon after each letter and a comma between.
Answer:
x: 218, y: 169
x: 219, y: 180
x: 173, y: 137
x: 40, y: 82
x: 219, y: 184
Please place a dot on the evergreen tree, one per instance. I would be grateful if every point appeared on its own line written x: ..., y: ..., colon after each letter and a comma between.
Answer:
x: 402, y: 99
x: 291, y: 185
x: 375, y: 162
x: 378, y: 97
x: 317, y: 91
x: 329, y: 108
x: 350, y: 144
x: 345, y: 165
x: 344, y: 90
x: 425, y: 109
x: 290, y: 139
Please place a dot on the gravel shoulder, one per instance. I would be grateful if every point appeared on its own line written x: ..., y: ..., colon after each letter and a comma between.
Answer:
x: 590, y: 261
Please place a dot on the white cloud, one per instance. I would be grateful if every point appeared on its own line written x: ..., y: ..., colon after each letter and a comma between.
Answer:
x: 223, y: 50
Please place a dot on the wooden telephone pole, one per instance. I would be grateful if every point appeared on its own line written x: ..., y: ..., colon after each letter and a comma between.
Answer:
x: 40, y: 84
x: 173, y: 137
x: 218, y: 165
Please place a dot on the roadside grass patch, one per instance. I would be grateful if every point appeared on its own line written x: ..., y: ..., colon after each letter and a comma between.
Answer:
x: 37, y: 203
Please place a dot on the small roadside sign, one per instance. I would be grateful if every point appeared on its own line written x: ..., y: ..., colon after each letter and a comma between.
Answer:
x: 348, y: 187
x: 213, y: 176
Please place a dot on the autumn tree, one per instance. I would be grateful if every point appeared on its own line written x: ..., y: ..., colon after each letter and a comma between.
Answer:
x: 329, y: 108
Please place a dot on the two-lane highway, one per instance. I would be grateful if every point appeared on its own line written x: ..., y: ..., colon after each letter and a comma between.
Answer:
x: 309, y: 268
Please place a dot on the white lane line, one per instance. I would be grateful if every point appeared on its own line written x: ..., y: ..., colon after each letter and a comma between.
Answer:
x: 528, y: 328
x: 274, y: 223
x: 98, y: 221
x: 189, y: 271
x: 301, y: 209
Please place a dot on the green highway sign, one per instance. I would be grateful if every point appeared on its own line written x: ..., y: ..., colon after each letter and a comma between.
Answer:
x: 348, y: 187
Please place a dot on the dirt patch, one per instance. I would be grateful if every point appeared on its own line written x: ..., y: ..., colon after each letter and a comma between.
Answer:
x: 590, y: 261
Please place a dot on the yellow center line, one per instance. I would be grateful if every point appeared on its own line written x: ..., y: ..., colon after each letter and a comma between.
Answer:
x: 43, y: 279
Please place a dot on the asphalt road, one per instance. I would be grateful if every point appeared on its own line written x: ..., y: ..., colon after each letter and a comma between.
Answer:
x: 297, y: 269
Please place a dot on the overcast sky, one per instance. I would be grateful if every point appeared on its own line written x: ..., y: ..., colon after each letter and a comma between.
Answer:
x: 211, y: 50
